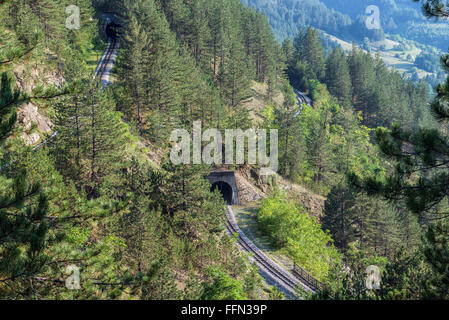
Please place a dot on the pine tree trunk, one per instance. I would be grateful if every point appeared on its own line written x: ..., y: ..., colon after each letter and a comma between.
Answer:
x: 139, y: 105
x: 94, y: 142
x: 215, y: 58
x: 77, y: 132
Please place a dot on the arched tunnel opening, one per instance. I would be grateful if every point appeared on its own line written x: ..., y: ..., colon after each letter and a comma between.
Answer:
x: 112, y: 30
x: 225, y: 190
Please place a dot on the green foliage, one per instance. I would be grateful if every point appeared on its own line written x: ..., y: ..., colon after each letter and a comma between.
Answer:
x: 358, y: 80
x: 138, y: 230
x: 23, y: 210
x: 286, y: 122
x: 404, y: 276
x: 308, y: 48
x: 275, y: 294
x: 93, y: 136
x: 301, y: 236
x: 308, y: 60
x: 135, y: 231
x: 8, y: 99
x: 435, y: 251
x: 184, y: 61
x: 324, y: 142
x: 23, y: 236
x: 222, y: 287
x: 378, y: 228
x: 338, y: 79
x: 419, y: 178
x: 354, y: 281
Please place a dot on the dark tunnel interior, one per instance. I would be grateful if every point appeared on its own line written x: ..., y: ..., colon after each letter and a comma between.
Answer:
x: 225, y: 189
x: 112, y: 30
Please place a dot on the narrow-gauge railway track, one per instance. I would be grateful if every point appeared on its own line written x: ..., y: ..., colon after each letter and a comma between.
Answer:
x: 107, y: 59
x: 280, y: 275
x: 106, y: 62
x: 301, y: 99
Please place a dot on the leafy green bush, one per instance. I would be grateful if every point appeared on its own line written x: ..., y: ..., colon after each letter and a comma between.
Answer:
x: 299, y: 234
x: 222, y: 287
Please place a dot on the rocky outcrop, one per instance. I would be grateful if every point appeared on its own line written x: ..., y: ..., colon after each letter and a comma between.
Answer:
x: 312, y: 202
x: 252, y: 186
x: 29, y: 118
x: 246, y: 188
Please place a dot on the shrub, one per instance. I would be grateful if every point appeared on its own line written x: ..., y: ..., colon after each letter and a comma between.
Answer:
x: 292, y: 229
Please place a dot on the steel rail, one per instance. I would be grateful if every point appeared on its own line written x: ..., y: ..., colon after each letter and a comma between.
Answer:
x: 271, y: 269
x: 289, y: 281
x: 107, y: 59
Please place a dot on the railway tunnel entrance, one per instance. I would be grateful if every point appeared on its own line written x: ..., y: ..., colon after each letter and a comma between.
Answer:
x: 225, y: 189
x: 110, y: 24
x: 225, y: 182
x: 112, y: 30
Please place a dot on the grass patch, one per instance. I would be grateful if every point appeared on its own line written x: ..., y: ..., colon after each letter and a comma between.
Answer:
x: 246, y: 217
x: 94, y: 54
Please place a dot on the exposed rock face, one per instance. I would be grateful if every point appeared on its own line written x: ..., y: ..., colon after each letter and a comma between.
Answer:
x: 28, y: 77
x: 253, y: 186
x: 247, y: 191
x: 312, y: 202
x: 27, y: 115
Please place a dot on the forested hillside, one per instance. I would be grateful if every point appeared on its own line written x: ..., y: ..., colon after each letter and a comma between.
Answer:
x: 286, y: 17
x: 359, y: 79
x: 86, y: 179
x: 401, y: 17
x: 93, y: 197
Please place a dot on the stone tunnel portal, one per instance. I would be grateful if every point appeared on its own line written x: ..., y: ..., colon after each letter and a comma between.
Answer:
x: 225, y: 182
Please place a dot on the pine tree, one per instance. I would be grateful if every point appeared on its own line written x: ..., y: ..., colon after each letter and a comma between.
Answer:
x: 287, y: 122
x: 287, y: 47
x: 158, y: 65
x: 27, y: 30
x: 404, y: 276
x: 217, y: 26
x: 339, y: 218
x: 319, y: 145
x: 141, y: 227
x: 420, y: 177
x: 91, y: 136
x: 436, y: 253
x: 308, y: 48
x: 188, y: 201
x: 362, y: 75
x: 233, y: 77
x: 9, y: 99
x: 134, y: 44
x: 338, y: 79
x: 200, y: 33
x: 22, y: 212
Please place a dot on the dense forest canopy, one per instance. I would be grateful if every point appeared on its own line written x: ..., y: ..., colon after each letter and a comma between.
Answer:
x: 336, y: 17
x: 93, y: 198
x: 103, y: 195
